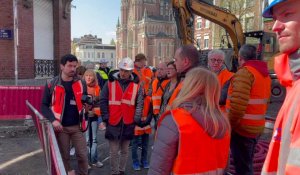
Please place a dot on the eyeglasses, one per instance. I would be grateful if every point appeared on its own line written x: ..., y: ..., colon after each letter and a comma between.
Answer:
x: 216, y: 60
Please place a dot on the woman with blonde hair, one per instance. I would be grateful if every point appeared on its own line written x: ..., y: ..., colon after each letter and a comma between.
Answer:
x: 193, y: 137
x: 93, y: 90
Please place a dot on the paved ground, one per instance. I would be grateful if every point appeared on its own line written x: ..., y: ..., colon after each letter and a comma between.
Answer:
x: 20, y: 152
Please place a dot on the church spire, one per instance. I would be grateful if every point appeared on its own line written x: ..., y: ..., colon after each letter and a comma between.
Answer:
x: 118, y: 23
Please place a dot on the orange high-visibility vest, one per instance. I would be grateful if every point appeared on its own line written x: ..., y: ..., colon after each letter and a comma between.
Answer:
x: 96, y: 109
x: 253, y: 121
x: 121, y: 104
x: 174, y: 95
x: 223, y: 77
x: 145, y: 75
x: 147, y: 129
x: 58, y: 99
x: 283, y: 154
x: 157, y: 93
x: 198, y: 152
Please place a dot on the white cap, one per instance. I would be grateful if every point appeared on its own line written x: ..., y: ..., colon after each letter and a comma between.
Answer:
x: 126, y: 64
x: 97, y: 66
x: 103, y: 60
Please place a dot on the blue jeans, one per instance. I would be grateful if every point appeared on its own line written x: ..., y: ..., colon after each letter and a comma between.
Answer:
x: 242, y: 150
x: 144, y: 140
x: 100, y: 120
x: 92, y: 154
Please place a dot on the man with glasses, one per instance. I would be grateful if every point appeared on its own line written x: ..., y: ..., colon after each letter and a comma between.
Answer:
x: 216, y: 65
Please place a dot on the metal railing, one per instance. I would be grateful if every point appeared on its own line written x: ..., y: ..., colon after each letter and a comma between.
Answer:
x: 48, y: 142
x: 44, y: 68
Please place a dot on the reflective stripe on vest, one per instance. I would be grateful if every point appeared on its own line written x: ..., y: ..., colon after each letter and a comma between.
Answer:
x: 157, y: 93
x: 218, y: 171
x: 58, y: 99
x: 121, y: 104
x: 102, y: 74
x: 193, y: 156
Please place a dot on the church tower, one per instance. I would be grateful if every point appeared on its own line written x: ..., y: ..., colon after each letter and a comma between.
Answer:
x: 147, y: 26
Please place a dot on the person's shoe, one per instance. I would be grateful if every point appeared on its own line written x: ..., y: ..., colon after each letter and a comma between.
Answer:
x: 145, y: 165
x: 89, y: 167
x: 136, y: 166
x: 122, y: 173
x: 102, y: 126
x: 98, y: 164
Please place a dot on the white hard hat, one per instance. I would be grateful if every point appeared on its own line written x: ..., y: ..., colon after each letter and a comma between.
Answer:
x: 97, y: 66
x: 103, y: 60
x: 126, y: 64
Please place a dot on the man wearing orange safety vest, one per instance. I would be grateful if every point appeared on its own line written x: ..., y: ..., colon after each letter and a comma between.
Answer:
x: 283, y: 154
x: 158, y: 88
x: 121, y: 103
x: 62, y: 106
x: 248, y: 96
x: 216, y: 65
x: 186, y: 57
x: 142, y: 132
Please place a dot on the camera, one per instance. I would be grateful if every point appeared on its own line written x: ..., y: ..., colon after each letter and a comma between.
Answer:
x: 87, y: 99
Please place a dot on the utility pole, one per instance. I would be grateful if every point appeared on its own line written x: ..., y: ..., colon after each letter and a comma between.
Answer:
x: 16, y: 38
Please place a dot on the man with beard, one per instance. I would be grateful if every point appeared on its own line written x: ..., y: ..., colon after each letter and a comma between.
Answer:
x: 61, y: 105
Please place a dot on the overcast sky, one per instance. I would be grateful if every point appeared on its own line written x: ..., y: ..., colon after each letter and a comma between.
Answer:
x: 96, y: 17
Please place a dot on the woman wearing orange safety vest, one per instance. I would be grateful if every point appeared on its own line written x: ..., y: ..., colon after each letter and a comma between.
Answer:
x: 247, y: 103
x: 193, y: 138
x: 217, y: 65
x: 284, y: 150
x: 121, y: 103
x: 93, y: 90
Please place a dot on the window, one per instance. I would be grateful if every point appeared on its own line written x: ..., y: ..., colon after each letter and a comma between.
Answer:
x: 199, y: 42
x: 206, y: 23
x: 249, y: 23
x: 89, y: 55
x: 103, y: 55
x: 98, y: 55
x: 206, y: 42
x: 111, y: 55
x: 199, y: 23
x: 159, y: 49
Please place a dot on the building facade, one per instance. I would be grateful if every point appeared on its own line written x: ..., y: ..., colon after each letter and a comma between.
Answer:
x: 146, y: 26
x: 34, y: 35
x: 89, y: 50
x: 202, y: 33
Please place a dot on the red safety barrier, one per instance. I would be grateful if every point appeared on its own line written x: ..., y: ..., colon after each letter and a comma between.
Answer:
x: 12, y: 101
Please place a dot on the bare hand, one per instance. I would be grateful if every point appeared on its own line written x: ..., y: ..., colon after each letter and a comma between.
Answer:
x: 57, y: 126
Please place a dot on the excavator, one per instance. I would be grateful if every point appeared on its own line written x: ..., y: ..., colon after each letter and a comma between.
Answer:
x: 184, y: 11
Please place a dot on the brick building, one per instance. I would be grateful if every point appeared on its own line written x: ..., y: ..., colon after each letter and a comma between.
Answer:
x: 146, y: 26
x: 40, y: 35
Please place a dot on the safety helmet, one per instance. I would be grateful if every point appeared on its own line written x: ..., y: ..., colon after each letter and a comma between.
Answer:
x: 126, y: 64
x: 103, y: 60
x: 96, y: 67
x: 267, y: 13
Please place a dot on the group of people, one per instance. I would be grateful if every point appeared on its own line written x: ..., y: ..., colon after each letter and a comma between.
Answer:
x: 200, y: 114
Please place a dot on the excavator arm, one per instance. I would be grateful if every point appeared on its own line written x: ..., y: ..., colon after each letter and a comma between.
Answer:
x: 185, y: 10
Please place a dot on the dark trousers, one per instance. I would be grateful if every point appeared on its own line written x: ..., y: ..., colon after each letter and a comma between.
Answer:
x: 144, y: 139
x: 242, y: 151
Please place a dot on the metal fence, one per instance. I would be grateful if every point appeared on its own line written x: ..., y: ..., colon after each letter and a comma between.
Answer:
x: 48, y: 142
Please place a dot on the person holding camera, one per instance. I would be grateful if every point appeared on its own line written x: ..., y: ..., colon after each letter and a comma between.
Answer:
x: 62, y: 106
x: 93, y: 90
x: 121, y: 103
